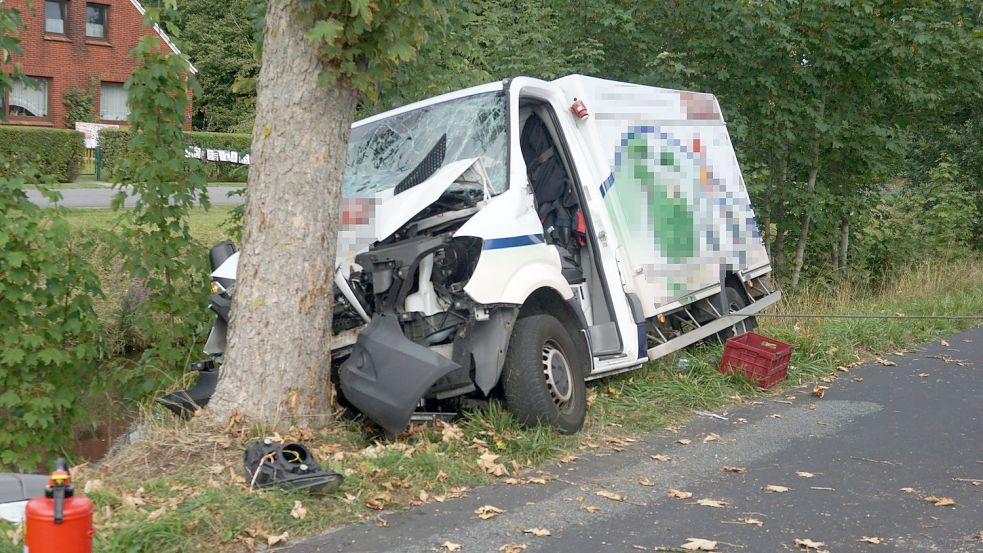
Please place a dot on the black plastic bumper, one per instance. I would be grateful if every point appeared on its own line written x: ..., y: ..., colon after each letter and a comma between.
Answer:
x: 387, y: 374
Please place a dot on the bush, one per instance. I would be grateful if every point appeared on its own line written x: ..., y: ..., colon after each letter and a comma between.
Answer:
x: 114, y: 144
x: 57, y: 153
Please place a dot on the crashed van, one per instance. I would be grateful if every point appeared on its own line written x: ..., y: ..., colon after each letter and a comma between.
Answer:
x: 520, y: 238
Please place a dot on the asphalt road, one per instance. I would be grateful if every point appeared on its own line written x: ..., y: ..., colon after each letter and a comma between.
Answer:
x: 103, y: 197
x: 917, y: 425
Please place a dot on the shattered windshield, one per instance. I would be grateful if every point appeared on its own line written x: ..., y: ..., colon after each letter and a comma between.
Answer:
x: 383, y: 153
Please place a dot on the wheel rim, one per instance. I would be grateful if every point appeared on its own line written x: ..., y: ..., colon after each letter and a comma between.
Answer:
x: 556, y: 369
x: 741, y: 327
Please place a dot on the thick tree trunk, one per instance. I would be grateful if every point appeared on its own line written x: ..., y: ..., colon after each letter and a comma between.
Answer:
x: 278, y: 359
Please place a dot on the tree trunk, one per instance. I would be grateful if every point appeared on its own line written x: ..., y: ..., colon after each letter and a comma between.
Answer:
x: 278, y: 359
x: 800, y: 248
x: 844, y: 242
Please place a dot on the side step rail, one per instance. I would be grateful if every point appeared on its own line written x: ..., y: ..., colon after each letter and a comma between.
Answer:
x: 713, y: 327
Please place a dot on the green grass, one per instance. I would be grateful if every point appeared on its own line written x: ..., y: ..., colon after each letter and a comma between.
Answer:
x: 192, y: 472
x: 206, y: 226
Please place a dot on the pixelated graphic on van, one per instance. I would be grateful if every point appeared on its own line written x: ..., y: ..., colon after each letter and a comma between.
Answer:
x: 664, y: 191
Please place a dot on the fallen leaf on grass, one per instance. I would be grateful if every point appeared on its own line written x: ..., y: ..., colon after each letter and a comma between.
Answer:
x: 154, y: 515
x: 487, y: 463
x: 538, y: 532
x: 486, y: 512
x: 875, y: 541
x: 132, y: 501
x: 679, y: 494
x: 273, y: 540
x: 91, y: 486
x: 645, y: 481
x: 712, y: 503
x: 450, y: 433
x: 699, y: 544
x: 808, y: 544
x: 775, y: 489
x: 610, y: 495
x: 804, y: 474
x: 738, y: 470
x: 513, y: 548
x: 819, y: 391
x: 299, y: 511
x: 451, y: 546
x: 940, y: 501
x: 711, y: 438
x: 660, y: 457
x: 684, y: 441
x: 886, y: 362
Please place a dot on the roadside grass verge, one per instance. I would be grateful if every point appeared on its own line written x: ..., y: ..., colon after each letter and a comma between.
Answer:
x: 182, y: 488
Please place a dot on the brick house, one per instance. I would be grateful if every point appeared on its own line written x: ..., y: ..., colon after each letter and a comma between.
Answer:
x: 79, y: 43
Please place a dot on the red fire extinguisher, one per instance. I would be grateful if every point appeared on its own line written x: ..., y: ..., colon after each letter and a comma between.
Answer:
x: 59, y: 522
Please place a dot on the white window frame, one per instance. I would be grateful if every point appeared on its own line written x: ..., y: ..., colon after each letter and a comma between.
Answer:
x: 112, y: 112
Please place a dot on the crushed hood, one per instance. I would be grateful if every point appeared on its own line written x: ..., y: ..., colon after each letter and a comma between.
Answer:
x: 368, y: 220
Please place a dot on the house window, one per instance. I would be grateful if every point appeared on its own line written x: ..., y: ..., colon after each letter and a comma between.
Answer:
x: 112, y: 102
x: 27, y: 98
x: 55, y: 14
x: 95, y: 20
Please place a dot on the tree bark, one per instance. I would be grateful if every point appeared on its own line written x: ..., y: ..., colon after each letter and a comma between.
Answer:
x: 800, y: 248
x: 278, y: 357
x: 844, y: 242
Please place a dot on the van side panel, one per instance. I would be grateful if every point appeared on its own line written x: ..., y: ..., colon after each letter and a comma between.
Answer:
x: 675, y: 195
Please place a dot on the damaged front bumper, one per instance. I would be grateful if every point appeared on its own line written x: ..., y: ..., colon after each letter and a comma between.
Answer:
x: 386, y: 374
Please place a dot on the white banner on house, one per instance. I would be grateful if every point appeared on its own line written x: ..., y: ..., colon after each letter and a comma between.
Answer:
x: 224, y: 156
x: 91, y: 132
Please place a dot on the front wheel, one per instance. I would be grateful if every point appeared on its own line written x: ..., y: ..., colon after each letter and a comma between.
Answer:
x: 543, y: 377
x: 736, y: 302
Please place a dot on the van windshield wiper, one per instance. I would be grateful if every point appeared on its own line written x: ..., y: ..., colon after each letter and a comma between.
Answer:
x: 426, y: 168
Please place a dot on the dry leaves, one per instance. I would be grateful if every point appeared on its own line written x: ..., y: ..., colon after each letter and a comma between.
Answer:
x: 875, y: 541
x: 273, y: 540
x: 645, y: 481
x: 804, y: 474
x: 808, y: 544
x: 712, y: 503
x: 450, y: 433
x: 299, y: 511
x: 513, y: 548
x: 738, y: 470
x: 699, y: 544
x: 752, y: 521
x: 487, y: 463
x: 679, y: 494
x: 610, y: 495
x: 943, y: 343
x: 486, y: 512
x: 660, y: 457
x: 940, y: 501
x: 684, y: 441
x: 819, y: 391
x: 924, y: 375
x: 908, y: 490
x: 451, y: 546
x: 711, y: 438
x: 886, y: 362
x: 775, y: 489
x: 538, y: 532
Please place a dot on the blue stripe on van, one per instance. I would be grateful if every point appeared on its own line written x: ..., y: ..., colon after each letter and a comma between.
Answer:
x: 607, y: 184
x: 512, y: 241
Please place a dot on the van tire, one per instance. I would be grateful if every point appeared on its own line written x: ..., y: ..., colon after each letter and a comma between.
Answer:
x: 536, y: 394
x: 736, y: 302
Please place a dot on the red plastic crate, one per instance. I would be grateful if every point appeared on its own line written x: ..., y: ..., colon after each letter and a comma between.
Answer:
x: 764, y: 360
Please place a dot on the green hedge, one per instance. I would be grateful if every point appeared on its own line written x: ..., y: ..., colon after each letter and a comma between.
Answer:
x: 55, y: 152
x: 113, y: 143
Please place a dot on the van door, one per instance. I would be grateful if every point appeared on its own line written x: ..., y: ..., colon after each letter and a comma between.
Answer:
x: 543, y: 131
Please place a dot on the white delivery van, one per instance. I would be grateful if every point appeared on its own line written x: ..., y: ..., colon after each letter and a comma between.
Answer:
x: 522, y: 237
